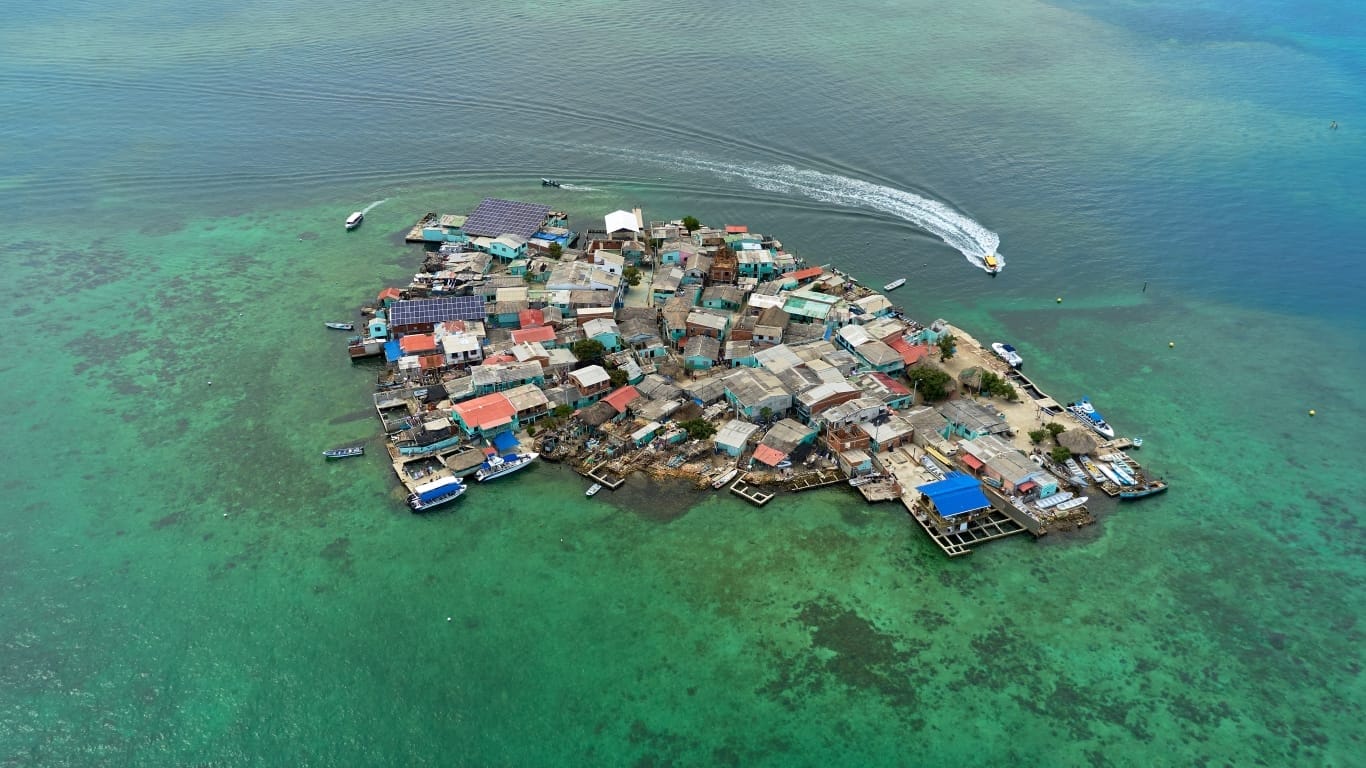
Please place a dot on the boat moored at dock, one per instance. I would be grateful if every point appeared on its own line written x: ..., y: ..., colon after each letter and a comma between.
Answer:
x: 433, y: 494
x: 496, y: 466
x: 1007, y: 353
x: 341, y: 326
x: 355, y: 219
x: 1150, y: 488
x: 593, y: 489
x: 725, y: 477
x: 342, y: 453
x: 1083, y: 410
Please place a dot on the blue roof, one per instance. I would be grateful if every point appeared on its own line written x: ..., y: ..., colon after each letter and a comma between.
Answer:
x: 955, y: 494
x: 391, y: 351
x: 504, y: 442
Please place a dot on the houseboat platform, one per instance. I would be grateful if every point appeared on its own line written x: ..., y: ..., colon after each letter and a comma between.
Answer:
x: 886, y: 489
x: 818, y: 479
x: 750, y: 493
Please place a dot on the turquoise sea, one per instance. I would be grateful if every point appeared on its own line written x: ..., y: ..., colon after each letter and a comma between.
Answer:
x: 184, y: 582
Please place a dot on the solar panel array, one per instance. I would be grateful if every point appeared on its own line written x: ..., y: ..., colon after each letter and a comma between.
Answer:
x: 433, y: 311
x: 496, y: 217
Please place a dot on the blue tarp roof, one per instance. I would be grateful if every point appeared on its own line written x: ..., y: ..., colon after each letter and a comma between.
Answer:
x: 391, y: 351
x: 955, y: 494
x: 504, y: 442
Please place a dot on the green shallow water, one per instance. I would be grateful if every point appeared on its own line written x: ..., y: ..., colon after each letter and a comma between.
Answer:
x: 190, y: 584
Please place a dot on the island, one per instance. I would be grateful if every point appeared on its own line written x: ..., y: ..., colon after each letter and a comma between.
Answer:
x: 717, y: 357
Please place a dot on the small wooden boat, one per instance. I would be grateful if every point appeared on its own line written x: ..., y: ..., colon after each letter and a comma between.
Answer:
x: 341, y: 326
x: 593, y: 489
x: 343, y: 453
x: 355, y: 219
x: 725, y: 477
x: 1147, y: 489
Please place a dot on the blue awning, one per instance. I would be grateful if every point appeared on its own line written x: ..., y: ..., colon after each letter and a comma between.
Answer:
x: 955, y: 494
x: 504, y: 442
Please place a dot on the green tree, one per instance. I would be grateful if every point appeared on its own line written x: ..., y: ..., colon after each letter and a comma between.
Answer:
x: 699, y: 429
x: 997, y: 386
x: 555, y: 250
x: 1054, y: 429
x: 1059, y: 454
x: 947, y: 346
x: 631, y: 275
x: 691, y: 224
x: 1037, y: 435
x: 562, y: 411
x: 932, y: 383
x: 588, y: 350
x: 765, y: 413
x: 617, y: 376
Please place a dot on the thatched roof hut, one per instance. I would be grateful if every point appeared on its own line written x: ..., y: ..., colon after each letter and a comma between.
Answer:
x: 1077, y: 441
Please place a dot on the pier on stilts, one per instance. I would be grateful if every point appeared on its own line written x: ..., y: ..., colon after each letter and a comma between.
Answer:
x: 994, y: 525
x: 751, y: 493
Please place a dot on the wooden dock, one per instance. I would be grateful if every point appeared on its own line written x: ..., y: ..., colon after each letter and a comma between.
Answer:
x: 818, y: 479
x: 600, y: 474
x: 994, y: 525
x: 882, y: 490
x: 750, y: 493
x: 415, y: 234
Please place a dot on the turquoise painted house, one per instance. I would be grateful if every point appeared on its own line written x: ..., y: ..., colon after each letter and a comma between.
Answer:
x: 605, y: 332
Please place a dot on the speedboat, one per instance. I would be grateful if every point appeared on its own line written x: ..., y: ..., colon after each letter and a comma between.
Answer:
x: 342, y: 453
x: 340, y: 326
x: 895, y: 284
x: 496, y: 466
x: 1008, y: 354
x: 355, y: 219
x: 593, y: 489
x: 1083, y: 410
x: 549, y: 183
x: 992, y: 264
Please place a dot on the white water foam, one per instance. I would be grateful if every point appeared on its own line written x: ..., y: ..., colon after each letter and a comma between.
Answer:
x: 372, y: 205
x: 961, y: 233
x: 578, y: 188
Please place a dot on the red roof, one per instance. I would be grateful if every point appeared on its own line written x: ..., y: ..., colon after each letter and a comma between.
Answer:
x: 910, y: 353
x: 417, y: 342
x: 767, y: 454
x: 430, y: 362
x: 499, y: 359
x: 736, y: 229
x: 893, y: 386
x: 542, y: 333
x: 1026, y: 486
x: 390, y: 293
x: 530, y: 318
x: 806, y: 274
x: 485, y: 412
x: 622, y: 397
x: 454, y: 326
x: 970, y: 460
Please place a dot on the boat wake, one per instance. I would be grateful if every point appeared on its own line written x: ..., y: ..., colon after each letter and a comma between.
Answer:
x: 367, y: 208
x: 961, y: 233
x: 578, y: 188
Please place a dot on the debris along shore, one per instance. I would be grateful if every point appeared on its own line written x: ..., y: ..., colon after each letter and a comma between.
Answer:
x: 717, y: 357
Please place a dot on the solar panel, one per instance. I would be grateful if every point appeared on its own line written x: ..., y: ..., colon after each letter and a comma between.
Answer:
x: 433, y: 311
x: 496, y: 217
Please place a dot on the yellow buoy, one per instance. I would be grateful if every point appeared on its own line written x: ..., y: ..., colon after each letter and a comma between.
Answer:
x: 1311, y: 411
